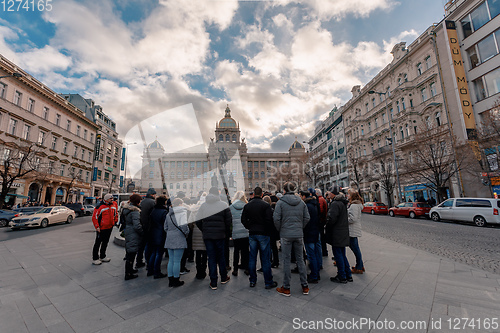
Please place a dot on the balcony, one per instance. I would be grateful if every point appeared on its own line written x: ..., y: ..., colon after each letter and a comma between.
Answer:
x: 382, y: 150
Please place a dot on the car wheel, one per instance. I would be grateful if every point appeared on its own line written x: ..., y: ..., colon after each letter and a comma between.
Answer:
x: 44, y: 223
x: 391, y: 213
x: 70, y: 219
x: 435, y: 217
x: 3, y: 223
x: 373, y: 212
x: 412, y: 215
x: 480, y: 221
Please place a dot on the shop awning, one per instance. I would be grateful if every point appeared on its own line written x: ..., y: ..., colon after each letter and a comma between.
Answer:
x: 18, y: 196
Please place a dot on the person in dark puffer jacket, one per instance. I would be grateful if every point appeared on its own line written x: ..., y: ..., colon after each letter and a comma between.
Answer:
x: 133, y: 233
x: 157, y: 237
x: 147, y: 205
x: 337, y: 234
x: 312, y: 241
x: 214, y: 220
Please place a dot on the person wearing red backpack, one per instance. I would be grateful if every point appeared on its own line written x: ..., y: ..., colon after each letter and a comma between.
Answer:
x: 104, y: 218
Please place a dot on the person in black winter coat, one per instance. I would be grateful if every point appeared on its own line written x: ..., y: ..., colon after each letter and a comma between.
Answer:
x: 312, y: 240
x: 214, y: 219
x: 337, y: 234
x: 156, y: 237
x: 147, y: 205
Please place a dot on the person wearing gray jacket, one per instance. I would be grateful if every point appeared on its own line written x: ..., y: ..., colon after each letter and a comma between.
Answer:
x: 290, y: 217
x: 176, y: 227
x: 354, y: 217
x: 239, y: 234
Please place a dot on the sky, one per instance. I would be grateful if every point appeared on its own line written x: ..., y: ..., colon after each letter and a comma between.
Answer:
x: 281, y: 66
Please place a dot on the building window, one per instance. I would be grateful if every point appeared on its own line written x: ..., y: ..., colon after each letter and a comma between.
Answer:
x: 99, y: 174
x: 433, y: 89
x: 76, y: 151
x: 45, y: 113
x: 89, y: 157
x: 54, y: 142
x: 26, y: 132
x: 87, y: 176
x: 402, y: 132
x: 41, y: 137
x: 151, y: 164
x: 419, y: 69
x: 373, y: 102
x: 428, y: 122
x: 221, y: 137
x: 375, y: 123
x: 234, y: 137
x: 12, y: 126
x: 58, y: 119
x: 108, y: 160
x: 68, y: 125
x: 473, y: 58
x: 399, y: 81
x: 17, y: 98
x: 6, y: 154
x: 423, y: 93
x: 428, y: 62
x: 3, y: 90
x: 106, y: 175
x: 151, y: 175
x: 398, y: 108
x: 92, y: 137
x: 78, y: 128
x: 366, y: 107
x: 31, y: 105
x: 407, y: 128
x: 403, y: 103
x: 185, y: 175
x: 83, y: 154
x: 405, y: 77
x: 65, y: 147
x: 411, y: 103
x: 115, y: 163
x: 61, y: 173
x: 383, y: 118
x: 438, y: 118
x: 85, y: 134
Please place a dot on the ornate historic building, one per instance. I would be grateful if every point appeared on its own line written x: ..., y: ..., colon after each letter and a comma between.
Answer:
x: 225, y: 162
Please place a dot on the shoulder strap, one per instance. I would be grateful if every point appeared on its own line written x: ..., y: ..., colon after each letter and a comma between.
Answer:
x: 174, y: 222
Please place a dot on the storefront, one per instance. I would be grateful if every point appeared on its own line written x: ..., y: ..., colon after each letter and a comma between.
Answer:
x: 420, y: 192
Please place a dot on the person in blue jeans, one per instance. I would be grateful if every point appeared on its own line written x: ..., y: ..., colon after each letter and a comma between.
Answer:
x: 176, y: 227
x: 312, y: 240
x: 214, y: 220
x: 354, y: 212
x: 257, y: 217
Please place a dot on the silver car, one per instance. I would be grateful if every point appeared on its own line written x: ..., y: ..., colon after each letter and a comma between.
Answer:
x: 88, y: 210
x: 478, y: 210
x: 43, y: 218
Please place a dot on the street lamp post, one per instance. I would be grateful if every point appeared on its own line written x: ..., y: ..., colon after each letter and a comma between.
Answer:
x: 386, y: 97
x: 17, y: 75
x: 125, y: 176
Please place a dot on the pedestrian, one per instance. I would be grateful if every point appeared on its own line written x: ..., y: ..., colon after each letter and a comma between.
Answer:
x: 239, y: 234
x: 354, y: 217
x: 198, y: 243
x: 103, y: 218
x: 176, y: 227
x: 275, y: 236
x: 157, y: 237
x: 133, y: 233
x: 290, y: 217
x: 323, y: 207
x: 257, y: 217
x: 214, y: 220
x: 147, y: 205
x: 312, y: 240
x: 337, y: 234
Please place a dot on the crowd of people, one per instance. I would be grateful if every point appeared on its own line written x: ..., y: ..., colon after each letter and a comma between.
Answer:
x: 302, y: 222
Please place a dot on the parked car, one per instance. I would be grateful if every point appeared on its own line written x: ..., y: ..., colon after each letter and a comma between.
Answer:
x: 375, y: 208
x: 29, y: 210
x: 43, y: 218
x: 411, y: 209
x: 88, y: 209
x: 478, y: 210
x: 7, y: 215
x: 77, y: 207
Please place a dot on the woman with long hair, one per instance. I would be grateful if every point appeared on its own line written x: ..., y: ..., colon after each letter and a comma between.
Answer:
x: 239, y: 234
x: 354, y: 217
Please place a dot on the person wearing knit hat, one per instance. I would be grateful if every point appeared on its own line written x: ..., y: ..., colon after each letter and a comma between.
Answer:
x: 104, y: 218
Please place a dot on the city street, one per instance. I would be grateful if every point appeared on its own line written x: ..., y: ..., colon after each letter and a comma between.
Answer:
x: 464, y: 243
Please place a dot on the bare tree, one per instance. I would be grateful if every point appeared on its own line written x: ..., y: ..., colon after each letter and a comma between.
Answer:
x: 434, y: 160
x: 357, y: 171
x: 111, y: 181
x: 74, y: 176
x: 383, y: 172
x: 17, y: 162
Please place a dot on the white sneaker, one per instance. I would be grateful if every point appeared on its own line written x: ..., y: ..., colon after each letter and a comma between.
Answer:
x: 96, y: 262
x: 106, y: 259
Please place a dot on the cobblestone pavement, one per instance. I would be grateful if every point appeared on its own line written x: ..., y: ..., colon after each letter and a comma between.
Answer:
x: 464, y: 243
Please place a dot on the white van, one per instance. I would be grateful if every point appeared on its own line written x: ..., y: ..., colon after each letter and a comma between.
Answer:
x: 477, y: 210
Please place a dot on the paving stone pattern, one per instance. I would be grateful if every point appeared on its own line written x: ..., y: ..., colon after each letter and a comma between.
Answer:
x: 47, y: 284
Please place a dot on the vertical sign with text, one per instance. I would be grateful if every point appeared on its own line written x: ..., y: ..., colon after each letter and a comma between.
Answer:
x: 97, y: 149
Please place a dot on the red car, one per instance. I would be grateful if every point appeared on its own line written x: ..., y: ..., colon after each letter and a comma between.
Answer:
x: 375, y: 208
x: 411, y: 209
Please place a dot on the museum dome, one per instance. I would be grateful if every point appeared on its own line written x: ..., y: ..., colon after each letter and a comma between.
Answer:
x: 155, y: 145
x: 227, y: 121
x: 296, y: 145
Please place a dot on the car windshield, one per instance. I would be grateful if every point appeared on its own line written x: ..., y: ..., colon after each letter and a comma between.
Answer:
x: 44, y: 211
x: 425, y: 205
x: 380, y: 204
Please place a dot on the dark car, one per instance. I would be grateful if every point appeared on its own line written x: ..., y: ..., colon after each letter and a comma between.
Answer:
x: 411, y: 209
x: 7, y: 215
x: 28, y: 210
x: 77, y: 207
x: 374, y: 208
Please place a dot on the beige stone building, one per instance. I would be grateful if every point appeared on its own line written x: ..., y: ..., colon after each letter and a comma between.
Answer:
x: 33, y: 114
x: 407, y: 95
x: 224, y: 162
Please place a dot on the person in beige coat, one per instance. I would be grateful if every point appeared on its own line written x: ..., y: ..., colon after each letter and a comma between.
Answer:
x: 354, y: 217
